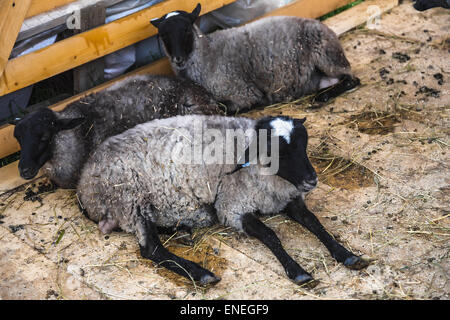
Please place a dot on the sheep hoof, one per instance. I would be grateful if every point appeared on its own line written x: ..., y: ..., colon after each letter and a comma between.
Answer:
x: 306, y: 280
x: 209, y: 279
x: 356, y: 263
x: 352, y: 84
x: 322, y: 97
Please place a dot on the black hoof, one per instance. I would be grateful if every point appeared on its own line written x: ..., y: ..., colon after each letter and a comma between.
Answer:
x: 209, y: 279
x: 322, y: 97
x: 352, y: 83
x: 356, y: 263
x: 305, y: 280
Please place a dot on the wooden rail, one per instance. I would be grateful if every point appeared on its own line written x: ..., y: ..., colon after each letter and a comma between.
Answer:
x: 304, y: 8
x: 12, y: 14
x: 309, y: 9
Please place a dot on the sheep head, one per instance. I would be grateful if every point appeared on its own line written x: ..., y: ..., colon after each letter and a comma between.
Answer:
x: 176, y: 30
x: 35, y: 133
x: 291, y: 140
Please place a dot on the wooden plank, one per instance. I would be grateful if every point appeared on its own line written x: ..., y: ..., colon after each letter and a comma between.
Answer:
x: 309, y: 8
x: 359, y: 14
x: 39, y: 6
x: 9, y: 177
x: 90, y: 45
x: 12, y: 14
x: 90, y: 74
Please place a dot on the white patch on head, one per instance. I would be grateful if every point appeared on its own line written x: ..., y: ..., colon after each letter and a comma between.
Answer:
x: 172, y: 14
x: 283, y: 128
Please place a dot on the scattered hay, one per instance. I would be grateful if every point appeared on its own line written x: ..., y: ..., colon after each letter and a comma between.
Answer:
x: 373, y: 122
x: 339, y: 172
x: 201, y: 252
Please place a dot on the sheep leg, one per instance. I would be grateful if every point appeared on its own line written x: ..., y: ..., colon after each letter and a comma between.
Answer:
x: 152, y: 248
x: 346, y: 83
x: 255, y: 228
x: 298, y: 211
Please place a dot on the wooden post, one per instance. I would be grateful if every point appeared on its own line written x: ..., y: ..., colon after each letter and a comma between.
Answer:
x: 12, y: 14
x: 92, y: 73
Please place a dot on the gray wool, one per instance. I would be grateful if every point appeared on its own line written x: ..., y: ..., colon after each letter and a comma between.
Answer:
x: 125, y: 104
x: 137, y: 169
x: 271, y: 60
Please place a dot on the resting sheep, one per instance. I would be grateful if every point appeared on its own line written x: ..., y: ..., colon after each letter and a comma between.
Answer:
x: 271, y: 60
x: 60, y: 142
x: 423, y: 5
x: 160, y: 174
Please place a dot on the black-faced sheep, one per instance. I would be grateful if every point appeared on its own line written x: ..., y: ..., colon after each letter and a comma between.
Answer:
x: 271, y: 60
x: 422, y: 5
x: 187, y: 172
x: 60, y: 142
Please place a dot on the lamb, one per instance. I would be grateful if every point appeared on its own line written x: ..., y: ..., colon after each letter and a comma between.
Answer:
x: 271, y: 60
x: 171, y: 173
x: 60, y: 142
x: 422, y: 5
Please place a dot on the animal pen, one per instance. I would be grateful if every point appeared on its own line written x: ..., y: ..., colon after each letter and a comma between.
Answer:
x: 381, y: 154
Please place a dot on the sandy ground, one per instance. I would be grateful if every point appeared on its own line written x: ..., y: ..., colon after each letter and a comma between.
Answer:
x: 382, y: 156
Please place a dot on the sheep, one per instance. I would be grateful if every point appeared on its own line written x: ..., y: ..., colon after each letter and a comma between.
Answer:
x: 422, y: 5
x: 60, y: 142
x: 161, y: 175
x: 271, y: 60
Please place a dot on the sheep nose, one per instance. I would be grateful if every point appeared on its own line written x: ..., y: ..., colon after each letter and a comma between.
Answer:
x: 27, y: 173
x: 312, y: 180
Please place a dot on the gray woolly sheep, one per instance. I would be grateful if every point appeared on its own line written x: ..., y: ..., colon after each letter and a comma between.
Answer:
x: 178, y: 173
x: 60, y: 142
x: 271, y: 60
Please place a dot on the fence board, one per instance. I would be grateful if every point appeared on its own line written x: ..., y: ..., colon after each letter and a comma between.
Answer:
x: 12, y: 14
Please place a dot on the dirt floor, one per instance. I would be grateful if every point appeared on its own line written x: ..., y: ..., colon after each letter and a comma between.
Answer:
x: 382, y: 156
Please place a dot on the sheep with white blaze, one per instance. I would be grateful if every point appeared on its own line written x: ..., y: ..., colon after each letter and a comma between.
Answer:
x: 192, y: 171
x: 60, y: 142
x: 271, y: 60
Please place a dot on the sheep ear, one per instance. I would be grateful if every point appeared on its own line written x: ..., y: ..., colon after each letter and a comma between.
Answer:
x: 302, y: 120
x: 67, y: 124
x: 156, y: 22
x: 194, y: 15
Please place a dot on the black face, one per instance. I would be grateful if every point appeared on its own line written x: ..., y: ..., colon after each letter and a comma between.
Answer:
x: 177, y: 34
x: 294, y: 164
x: 423, y: 5
x: 35, y: 133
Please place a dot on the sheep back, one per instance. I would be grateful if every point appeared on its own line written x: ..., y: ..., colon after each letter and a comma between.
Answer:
x: 270, y: 60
